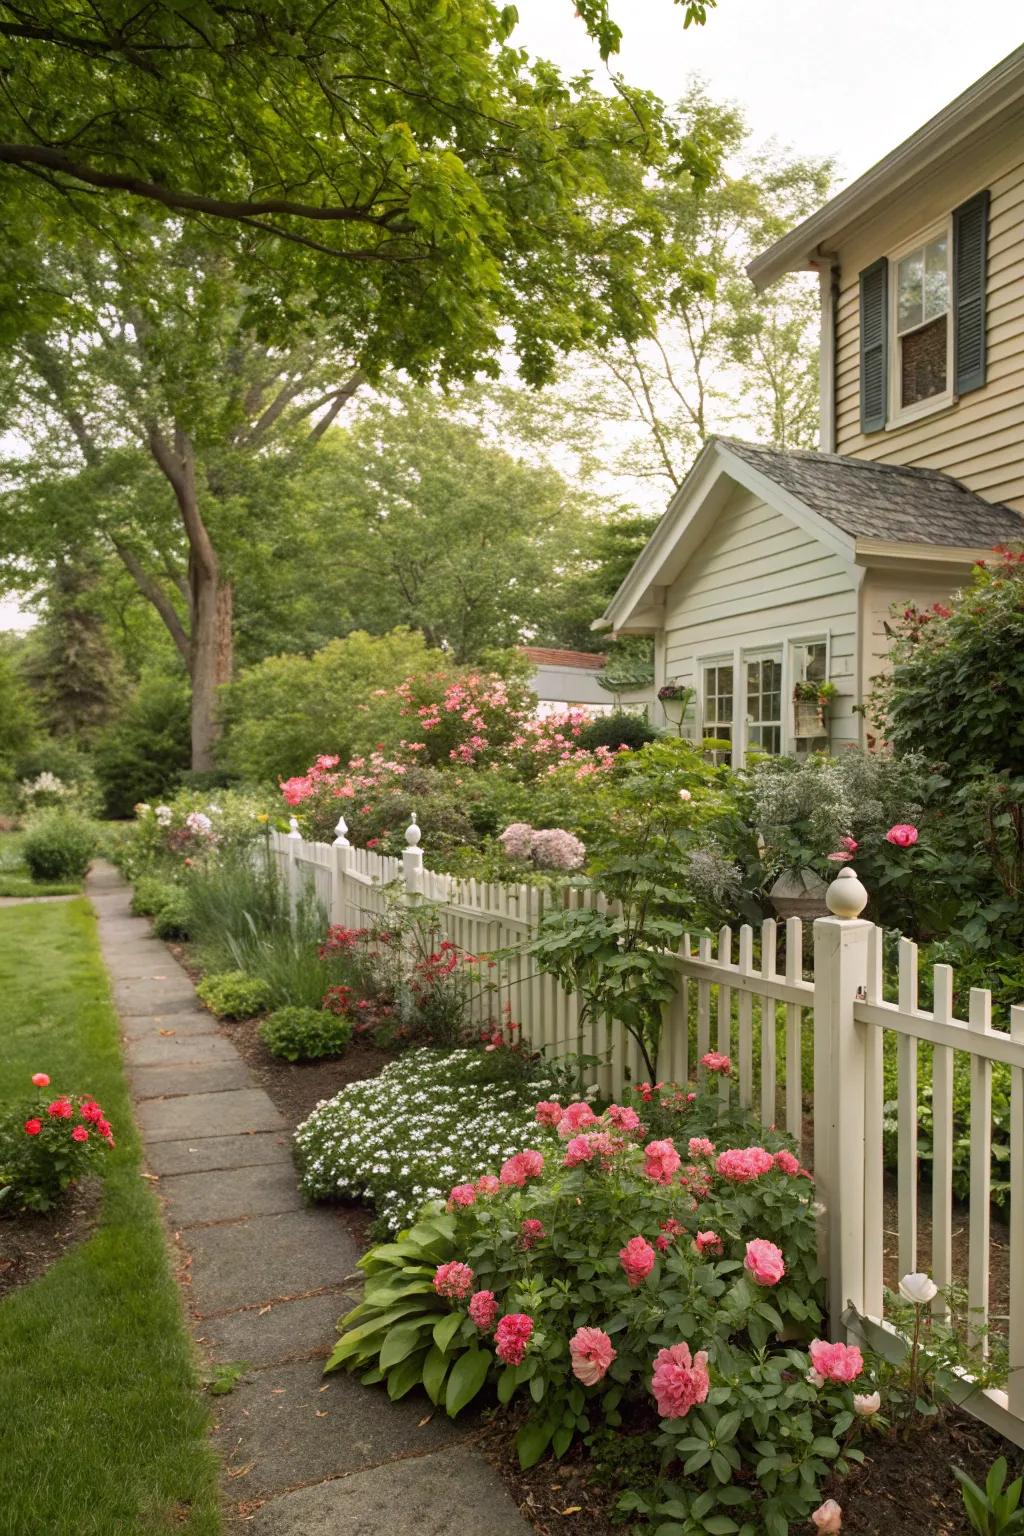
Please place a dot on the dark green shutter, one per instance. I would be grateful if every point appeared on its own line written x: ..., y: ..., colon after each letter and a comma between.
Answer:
x: 874, y: 345
x: 970, y: 251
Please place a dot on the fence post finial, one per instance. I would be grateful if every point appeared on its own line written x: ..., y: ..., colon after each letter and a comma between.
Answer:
x: 341, y: 834
x: 846, y: 897
x: 293, y: 828
x: 413, y: 832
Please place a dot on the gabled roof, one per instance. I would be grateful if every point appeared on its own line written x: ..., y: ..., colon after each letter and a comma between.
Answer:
x: 864, y: 512
x: 977, y: 110
x: 884, y: 501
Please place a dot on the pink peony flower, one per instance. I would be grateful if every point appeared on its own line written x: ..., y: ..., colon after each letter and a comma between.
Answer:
x: 512, y: 1336
x: 850, y: 844
x: 524, y: 1165
x: 530, y: 1232
x: 839, y: 858
x: 462, y: 1194
x: 902, y: 835
x: 679, y: 1382
x: 661, y: 1161
x: 741, y: 1164
x: 454, y: 1281
x: 637, y: 1259
x: 764, y: 1262
x: 708, y: 1242
x: 866, y: 1404
x: 40, y: 1079
x: 714, y: 1061
x: 483, y: 1309
x: 580, y: 1150
x: 622, y: 1117
x: 575, y: 1118
x: 548, y: 1112
x: 700, y: 1146
x: 79, y: 1133
x: 828, y: 1518
x: 487, y: 1184
x: 836, y: 1362
x: 60, y: 1109
x: 591, y: 1352
x: 785, y: 1162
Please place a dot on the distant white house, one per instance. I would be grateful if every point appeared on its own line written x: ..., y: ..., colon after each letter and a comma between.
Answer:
x: 774, y: 573
x: 571, y: 680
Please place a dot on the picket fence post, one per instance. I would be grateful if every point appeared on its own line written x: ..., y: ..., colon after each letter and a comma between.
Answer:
x: 339, y: 882
x: 294, y: 837
x: 412, y: 862
x: 840, y: 979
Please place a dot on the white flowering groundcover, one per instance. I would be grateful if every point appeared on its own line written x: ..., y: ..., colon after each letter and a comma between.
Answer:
x: 429, y: 1121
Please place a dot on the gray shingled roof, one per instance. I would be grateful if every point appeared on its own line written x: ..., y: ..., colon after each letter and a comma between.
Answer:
x: 884, y: 501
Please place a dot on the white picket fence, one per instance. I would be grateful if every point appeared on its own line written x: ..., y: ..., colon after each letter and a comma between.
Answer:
x: 763, y: 1017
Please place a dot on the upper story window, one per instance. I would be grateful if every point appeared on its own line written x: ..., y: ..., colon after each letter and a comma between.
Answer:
x: 923, y: 320
x: 921, y: 355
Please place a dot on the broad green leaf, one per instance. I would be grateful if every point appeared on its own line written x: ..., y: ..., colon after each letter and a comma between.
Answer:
x: 468, y: 1375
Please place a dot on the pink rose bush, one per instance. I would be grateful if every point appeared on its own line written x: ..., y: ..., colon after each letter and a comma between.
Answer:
x: 600, y: 1270
x: 47, y: 1143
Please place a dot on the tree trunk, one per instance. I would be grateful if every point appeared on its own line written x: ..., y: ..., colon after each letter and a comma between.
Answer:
x: 211, y: 659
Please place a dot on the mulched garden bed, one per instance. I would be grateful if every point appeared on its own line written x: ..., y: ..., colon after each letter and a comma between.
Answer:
x: 32, y: 1242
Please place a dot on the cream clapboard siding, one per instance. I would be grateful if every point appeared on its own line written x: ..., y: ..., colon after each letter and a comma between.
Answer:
x: 757, y: 582
x: 980, y: 439
x: 884, y: 591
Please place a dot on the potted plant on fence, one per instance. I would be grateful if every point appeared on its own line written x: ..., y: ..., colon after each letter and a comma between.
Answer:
x: 811, y: 702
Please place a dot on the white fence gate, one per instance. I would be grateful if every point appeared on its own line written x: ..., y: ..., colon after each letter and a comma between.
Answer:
x: 767, y: 1021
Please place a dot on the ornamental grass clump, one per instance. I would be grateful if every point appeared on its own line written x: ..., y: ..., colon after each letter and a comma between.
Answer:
x: 47, y: 1142
x: 429, y: 1121
x: 666, y: 1290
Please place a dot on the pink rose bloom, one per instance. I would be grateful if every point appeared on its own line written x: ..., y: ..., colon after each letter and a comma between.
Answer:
x: 785, y: 1162
x: 487, y: 1184
x: 454, y: 1281
x: 714, y: 1061
x: 524, y: 1165
x: 462, y: 1194
x: 850, y: 844
x: 548, y: 1112
x: 742, y: 1164
x: 623, y: 1118
x: 836, y: 1362
x: 679, y: 1382
x: 699, y: 1146
x: 592, y: 1353
x: 637, y: 1259
x: 40, y: 1079
x: 512, y: 1336
x: 764, y: 1262
x: 483, y: 1309
x: 582, y: 1149
x: 661, y: 1161
x: 828, y: 1518
x: 575, y: 1118
x: 708, y: 1242
x: 902, y: 835
x: 79, y: 1133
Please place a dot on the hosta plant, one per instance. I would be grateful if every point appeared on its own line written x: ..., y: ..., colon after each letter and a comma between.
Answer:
x: 603, y: 1276
x: 47, y: 1142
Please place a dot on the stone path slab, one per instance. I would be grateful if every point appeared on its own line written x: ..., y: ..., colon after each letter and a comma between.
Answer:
x: 265, y: 1279
x: 449, y: 1492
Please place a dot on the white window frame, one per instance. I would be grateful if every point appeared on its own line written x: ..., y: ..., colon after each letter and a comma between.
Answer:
x: 818, y: 637
x: 777, y: 653
x: 722, y: 659
x: 898, y: 415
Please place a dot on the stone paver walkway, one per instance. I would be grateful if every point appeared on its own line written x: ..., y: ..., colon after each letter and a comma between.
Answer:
x: 265, y: 1279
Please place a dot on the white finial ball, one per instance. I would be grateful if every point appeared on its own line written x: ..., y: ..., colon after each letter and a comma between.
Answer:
x: 293, y: 826
x: 846, y: 897
x: 412, y: 832
x: 341, y: 832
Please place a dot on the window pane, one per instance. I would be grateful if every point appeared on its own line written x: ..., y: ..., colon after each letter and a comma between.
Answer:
x: 814, y: 662
x: 923, y: 362
x: 936, y: 279
x: 909, y: 305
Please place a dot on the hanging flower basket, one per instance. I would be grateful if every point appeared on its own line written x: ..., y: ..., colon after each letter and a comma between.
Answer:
x: 673, y: 691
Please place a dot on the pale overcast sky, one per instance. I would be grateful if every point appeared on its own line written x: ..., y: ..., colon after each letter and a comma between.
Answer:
x: 849, y: 80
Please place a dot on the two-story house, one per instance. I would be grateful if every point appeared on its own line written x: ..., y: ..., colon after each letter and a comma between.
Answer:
x: 774, y: 568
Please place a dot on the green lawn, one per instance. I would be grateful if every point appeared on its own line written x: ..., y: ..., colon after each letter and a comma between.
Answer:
x: 15, y: 879
x: 102, y: 1427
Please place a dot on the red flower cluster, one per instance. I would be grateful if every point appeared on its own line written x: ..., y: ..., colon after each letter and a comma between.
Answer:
x: 63, y: 1108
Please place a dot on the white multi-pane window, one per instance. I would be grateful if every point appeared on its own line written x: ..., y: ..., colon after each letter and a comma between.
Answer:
x: 764, y: 702
x: 810, y: 661
x: 717, y: 703
x: 921, y: 328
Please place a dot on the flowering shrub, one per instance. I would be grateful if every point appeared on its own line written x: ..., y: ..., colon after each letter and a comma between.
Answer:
x: 191, y: 827
x: 428, y: 1122
x: 614, y: 1303
x: 551, y: 848
x: 48, y: 1142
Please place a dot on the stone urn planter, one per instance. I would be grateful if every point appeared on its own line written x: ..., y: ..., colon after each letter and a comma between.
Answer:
x: 799, y: 893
